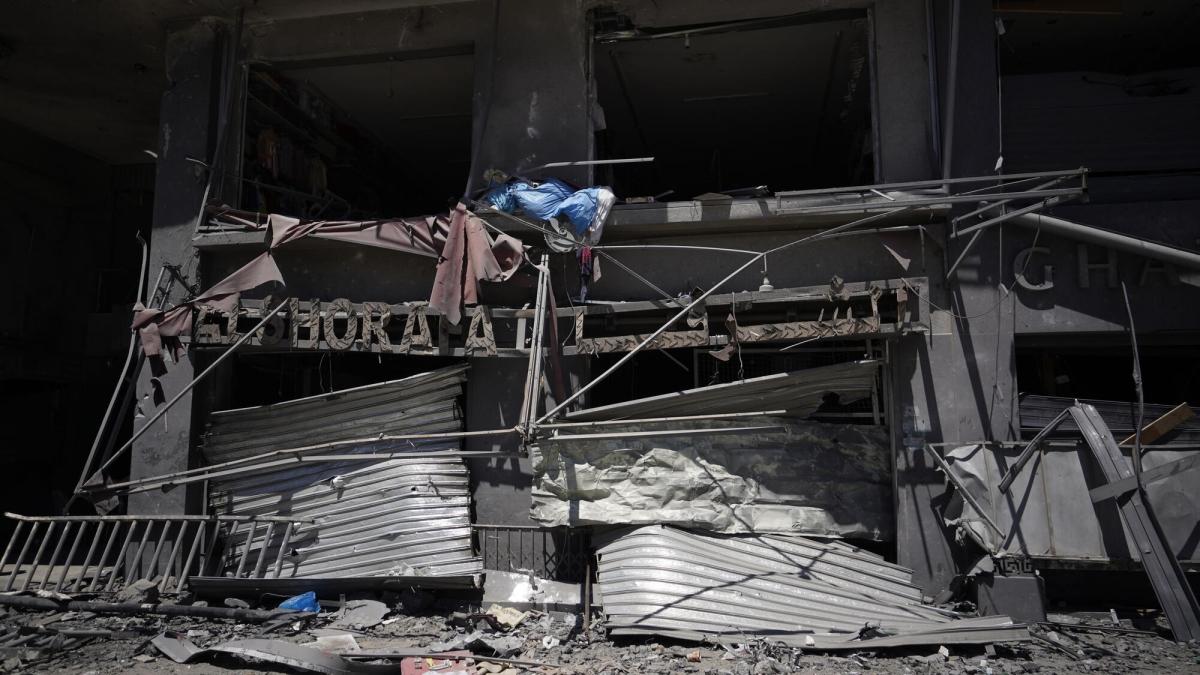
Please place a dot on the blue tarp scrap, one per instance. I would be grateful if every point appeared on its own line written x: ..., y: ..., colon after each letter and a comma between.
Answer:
x: 586, y: 209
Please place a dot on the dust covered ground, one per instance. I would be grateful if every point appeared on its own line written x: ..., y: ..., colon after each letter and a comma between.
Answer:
x: 80, y: 642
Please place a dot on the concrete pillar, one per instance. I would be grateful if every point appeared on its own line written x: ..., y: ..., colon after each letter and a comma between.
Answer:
x: 501, y: 486
x: 186, y: 130
x: 902, y: 103
x: 958, y: 382
x: 534, y: 80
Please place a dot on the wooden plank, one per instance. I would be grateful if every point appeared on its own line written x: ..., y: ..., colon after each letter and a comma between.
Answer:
x: 1163, y: 425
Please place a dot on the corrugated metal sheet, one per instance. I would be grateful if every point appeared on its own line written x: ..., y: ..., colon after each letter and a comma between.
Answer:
x: 666, y: 580
x: 372, y: 517
x: 799, y: 392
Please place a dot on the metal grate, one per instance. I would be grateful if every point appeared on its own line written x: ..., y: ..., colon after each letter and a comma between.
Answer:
x: 102, y: 553
x: 553, y: 553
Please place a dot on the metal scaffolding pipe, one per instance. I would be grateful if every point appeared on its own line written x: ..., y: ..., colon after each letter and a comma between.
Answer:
x: 1120, y: 242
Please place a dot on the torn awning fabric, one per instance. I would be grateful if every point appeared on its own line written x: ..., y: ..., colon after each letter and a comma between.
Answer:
x: 495, y: 260
x: 471, y: 255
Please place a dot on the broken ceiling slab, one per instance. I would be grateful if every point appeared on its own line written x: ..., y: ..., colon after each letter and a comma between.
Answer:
x: 788, y: 476
x: 799, y: 392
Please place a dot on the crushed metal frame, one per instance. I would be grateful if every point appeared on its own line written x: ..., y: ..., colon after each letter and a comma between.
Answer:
x: 1167, y: 576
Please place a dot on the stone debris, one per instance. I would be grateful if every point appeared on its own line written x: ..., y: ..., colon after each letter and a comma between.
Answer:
x: 79, y: 642
x: 362, y: 614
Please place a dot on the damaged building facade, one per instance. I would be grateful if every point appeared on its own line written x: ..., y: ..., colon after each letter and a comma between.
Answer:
x: 482, y: 287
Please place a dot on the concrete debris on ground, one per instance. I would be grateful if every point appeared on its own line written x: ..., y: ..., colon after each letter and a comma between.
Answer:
x: 437, y: 638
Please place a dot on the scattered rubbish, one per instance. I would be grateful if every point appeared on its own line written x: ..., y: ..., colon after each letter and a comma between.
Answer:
x: 335, y: 644
x: 239, y: 614
x: 359, y: 614
x: 141, y: 591
x: 550, y: 642
x: 238, y: 603
x: 181, y: 650
x: 500, y: 646
x: 453, y: 663
x: 507, y: 616
x: 305, y: 602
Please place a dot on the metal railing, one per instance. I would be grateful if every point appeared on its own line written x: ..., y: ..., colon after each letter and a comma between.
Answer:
x: 102, y: 553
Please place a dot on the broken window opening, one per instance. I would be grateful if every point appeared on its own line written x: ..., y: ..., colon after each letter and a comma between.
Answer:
x: 784, y: 105
x: 365, y: 140
x: 263, y: 379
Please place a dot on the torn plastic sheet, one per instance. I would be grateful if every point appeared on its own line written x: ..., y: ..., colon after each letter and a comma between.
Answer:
x: 793, y: 477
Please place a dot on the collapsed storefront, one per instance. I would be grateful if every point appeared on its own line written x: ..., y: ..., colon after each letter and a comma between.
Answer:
x: 549, y: 379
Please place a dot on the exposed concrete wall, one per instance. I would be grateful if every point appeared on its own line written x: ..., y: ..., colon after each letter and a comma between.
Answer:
x: 1078, y: 294
x: 501, y: 485
x: 901, y: 72
x: 186, y: 131
x: 537, y: 81
x: 959, y: 382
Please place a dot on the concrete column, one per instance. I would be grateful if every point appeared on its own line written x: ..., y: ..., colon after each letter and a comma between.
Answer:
x: 534, y: 78
x: 905, y: 127
x: 186, y: 130
x: 500, y: 486
x: 958, y: 383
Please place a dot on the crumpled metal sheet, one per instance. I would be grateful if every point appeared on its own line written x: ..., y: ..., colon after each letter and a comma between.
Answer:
x: 799, y: 393
x: 666, y: 580
x: 1048, y: 513
x: 394, y: 517
x: 794, y: 477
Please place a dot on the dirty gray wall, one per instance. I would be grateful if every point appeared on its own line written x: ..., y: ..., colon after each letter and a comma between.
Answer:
x: 533, y: 71
x: 186, y: 131
x: 959, y: 381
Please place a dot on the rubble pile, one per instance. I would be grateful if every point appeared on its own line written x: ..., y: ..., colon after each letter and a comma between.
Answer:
x: 386, y: 633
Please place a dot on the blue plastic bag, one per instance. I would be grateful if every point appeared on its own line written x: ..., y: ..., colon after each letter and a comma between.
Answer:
x: 580, y: 208
x: 542, y: 201
x: 586, y: 209
x: 305, y: 602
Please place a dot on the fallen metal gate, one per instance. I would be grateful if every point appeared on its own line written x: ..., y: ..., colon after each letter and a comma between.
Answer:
x: 214, y: 544
x: 1167, y: 577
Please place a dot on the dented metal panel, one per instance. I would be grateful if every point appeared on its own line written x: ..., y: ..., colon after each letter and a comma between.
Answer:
x: 800, y: 393
x: 396, y: 517
x: 664, y: 579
